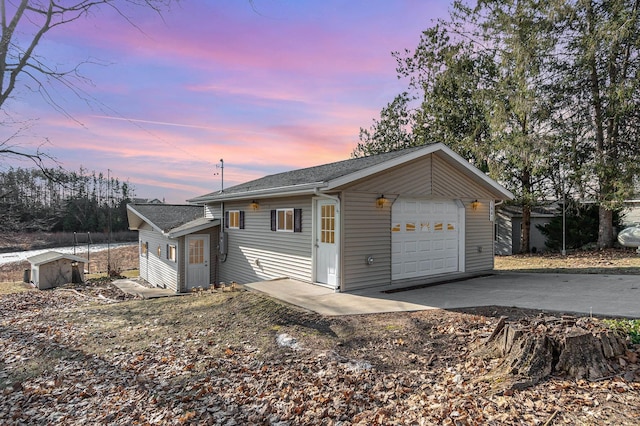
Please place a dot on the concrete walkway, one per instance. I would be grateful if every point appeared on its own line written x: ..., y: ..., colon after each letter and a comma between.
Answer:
x: 610, y: 295
x: 131, y: 287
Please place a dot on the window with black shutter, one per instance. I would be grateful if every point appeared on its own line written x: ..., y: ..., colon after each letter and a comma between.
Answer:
x: 235, y: 219
x: 297, y: 220
x: 286, y: 220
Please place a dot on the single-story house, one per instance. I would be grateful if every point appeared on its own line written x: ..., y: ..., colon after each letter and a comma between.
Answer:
x: 175, y: 244
x: 396, y: 219
x: 631, y: 212
x: 52, y: 269
x: 509, y: 228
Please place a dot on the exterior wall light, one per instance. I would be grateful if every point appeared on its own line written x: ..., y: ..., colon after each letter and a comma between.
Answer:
x: 254, y: 205
x: 380, y: 201
x: 475, y: 204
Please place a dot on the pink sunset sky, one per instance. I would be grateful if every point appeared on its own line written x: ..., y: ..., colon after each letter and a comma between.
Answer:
x: 268, y: 86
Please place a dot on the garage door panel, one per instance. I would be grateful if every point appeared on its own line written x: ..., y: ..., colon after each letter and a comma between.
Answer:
x: 426, y: 265
x: 425, y: 237
x: 410, y: 267
x: 438, y: 264
x: 410, y: 247
x: 425, y: 246
x: 396, y: 247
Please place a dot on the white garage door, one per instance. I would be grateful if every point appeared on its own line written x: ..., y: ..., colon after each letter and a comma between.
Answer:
x: 425, y: 238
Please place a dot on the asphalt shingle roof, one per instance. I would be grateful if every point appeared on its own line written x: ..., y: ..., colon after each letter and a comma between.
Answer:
x: 309, y: 175
x: 169, y: 216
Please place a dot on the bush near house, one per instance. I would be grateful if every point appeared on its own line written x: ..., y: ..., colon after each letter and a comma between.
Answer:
x: 581, y: 224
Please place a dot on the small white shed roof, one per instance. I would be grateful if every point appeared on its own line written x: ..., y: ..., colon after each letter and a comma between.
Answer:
x: 52, y: 256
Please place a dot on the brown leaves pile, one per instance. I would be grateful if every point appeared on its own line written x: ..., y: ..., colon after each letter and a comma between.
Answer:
x: 411, y: 368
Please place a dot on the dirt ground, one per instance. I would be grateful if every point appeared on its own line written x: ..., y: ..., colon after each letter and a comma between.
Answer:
x: 613, y: 261
x: 89, y: 355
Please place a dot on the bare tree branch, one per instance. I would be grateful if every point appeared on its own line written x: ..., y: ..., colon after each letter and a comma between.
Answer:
x: 24, y: 24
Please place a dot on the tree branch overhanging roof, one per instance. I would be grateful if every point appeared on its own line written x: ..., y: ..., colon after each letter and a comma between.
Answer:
x: 330, y: 176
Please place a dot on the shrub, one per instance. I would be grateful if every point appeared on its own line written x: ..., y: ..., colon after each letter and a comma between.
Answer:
x: 581, y: 224
x: 629, y: 327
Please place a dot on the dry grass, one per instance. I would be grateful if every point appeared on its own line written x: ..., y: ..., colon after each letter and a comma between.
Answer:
x: 228, y: 319
x: 610, y: 262
x: 12, y: 287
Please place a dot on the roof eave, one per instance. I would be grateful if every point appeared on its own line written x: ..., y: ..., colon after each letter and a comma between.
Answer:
x: 143, y: 219
x: 282, y: 191
x: 59, y: 256
x: 500, y: 191
x: 182, y: 232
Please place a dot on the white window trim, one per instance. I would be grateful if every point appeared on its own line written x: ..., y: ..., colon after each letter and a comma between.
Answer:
x: 175, y: 253
x: 278, y: 229
x: 234, y: 212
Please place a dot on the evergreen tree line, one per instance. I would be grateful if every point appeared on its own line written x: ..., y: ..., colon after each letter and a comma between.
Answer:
x: 56, y: 200
x: 543, y: 96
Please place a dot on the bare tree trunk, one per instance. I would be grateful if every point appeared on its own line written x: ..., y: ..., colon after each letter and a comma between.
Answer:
x: 525, y: 232
x: 605, y: 227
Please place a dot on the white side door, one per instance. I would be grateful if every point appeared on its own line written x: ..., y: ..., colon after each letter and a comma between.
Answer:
x: 197, y: 261
x: 326, y: 251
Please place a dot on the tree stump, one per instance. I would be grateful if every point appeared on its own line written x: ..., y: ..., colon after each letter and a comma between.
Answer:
x: 527, y: 352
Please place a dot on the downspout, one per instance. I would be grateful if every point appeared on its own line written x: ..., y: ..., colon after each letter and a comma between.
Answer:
x: 222, y: 241
x: 222, y: 249
x: 335, y: 198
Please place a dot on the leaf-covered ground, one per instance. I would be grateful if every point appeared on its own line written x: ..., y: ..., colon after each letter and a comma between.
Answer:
x: 85, y: 356
x: 611, y: 261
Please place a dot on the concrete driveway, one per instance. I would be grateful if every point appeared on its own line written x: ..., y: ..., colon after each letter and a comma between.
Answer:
x: 610, y: 295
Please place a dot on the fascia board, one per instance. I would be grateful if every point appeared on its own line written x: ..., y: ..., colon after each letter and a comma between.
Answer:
x: 429, y: 149
x: 57, y: 257
x: 369, y: 171
x: 283, y: 191
x: 504, y: 192
x: 201, y: 227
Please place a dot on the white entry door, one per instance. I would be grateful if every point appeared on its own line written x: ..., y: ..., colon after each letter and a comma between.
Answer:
x: 425, y: 237
x: 326, y: 256
x: 197, y: 261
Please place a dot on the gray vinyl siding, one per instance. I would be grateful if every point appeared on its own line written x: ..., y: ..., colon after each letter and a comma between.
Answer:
x: 256, y: 253
x: 411, y: 179
x: 449, y: 182
x: 367, y: 229
x: 537, y: 241
x: 366, y: 232
x: 478, y: 237
x: 158, y: 270
x: 503, y: 238
x: 631, y: 213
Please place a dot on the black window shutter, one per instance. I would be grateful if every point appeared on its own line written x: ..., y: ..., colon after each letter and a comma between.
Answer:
x: 273, y: 220
x: 241, y: 219
x: 297, y: 220
x: 226, y: 219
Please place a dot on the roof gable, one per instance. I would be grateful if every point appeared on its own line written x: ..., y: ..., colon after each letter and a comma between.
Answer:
x: 162, y: 217
x: 333, y: 175
x: 52, y: 256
